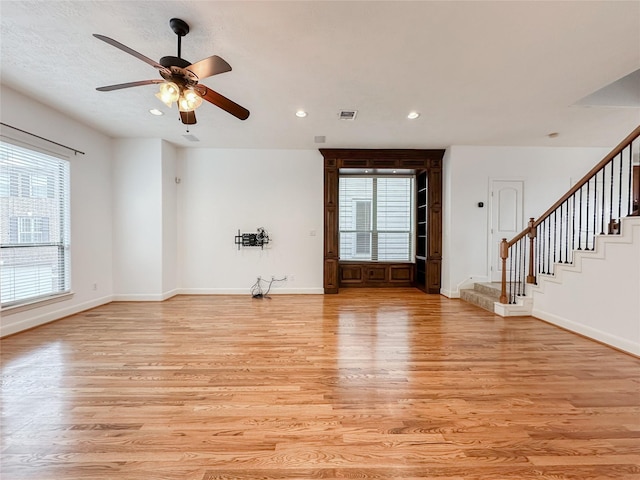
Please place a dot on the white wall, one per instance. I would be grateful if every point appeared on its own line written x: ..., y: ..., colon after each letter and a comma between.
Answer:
x: 598, y: 296
x: 137, y: 219
x: 169, y: 220
x: 91, y: 227
x: 145, y: 219
x: 547, y: 174
x: 222, y: 191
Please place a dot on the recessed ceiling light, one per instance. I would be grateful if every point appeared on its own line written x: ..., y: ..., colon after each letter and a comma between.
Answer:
x: 301, y: 114
x: 413, y: 115
x: 155, y: 111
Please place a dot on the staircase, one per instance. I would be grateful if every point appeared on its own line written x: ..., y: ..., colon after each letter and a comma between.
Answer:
x: 487, y: 296
x: 593, y: 231
x: 483, y: 295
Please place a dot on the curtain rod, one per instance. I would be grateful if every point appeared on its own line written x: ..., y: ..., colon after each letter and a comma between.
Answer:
x: 42, y: 138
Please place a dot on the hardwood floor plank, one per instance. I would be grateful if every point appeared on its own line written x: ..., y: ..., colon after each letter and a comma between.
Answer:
x: 370, y: 384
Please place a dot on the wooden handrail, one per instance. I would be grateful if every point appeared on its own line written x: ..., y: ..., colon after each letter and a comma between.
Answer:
x: 518, y: 237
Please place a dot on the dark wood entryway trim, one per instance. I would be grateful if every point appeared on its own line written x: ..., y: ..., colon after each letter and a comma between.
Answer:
x: 429, y: 161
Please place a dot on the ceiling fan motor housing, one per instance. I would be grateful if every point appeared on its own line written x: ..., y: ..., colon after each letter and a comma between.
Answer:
x: 170, y: 61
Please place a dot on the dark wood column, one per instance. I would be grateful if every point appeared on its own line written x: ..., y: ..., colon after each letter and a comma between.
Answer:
x: 434, y: 225
x: 331, y: 240
x: 417, y: 160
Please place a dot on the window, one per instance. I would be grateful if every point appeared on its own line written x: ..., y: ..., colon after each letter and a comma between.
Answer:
x: 34, y: 221
x: 376, y: 218
x: 28, y: 230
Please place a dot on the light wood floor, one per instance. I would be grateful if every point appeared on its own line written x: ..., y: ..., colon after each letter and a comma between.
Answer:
x: 368, y: 384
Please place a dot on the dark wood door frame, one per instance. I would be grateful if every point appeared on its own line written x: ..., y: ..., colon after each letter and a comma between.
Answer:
x: 418, y: 160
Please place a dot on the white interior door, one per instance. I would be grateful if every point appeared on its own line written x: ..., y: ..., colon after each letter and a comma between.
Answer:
x: 506, y: 219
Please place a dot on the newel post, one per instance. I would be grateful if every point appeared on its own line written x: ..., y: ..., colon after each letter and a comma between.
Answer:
x: 504, y: 254
x: 531, y: 277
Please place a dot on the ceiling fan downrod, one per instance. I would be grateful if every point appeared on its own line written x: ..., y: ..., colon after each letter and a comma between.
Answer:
x: 180, y: 28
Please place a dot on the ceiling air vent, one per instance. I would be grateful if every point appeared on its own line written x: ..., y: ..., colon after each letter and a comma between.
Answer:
x: 191, y: 138
x: 319, y: 139
x: 348, y: 114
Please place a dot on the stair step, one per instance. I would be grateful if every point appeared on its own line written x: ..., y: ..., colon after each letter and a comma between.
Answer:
x: 482, y: 300
x: 493, y: 289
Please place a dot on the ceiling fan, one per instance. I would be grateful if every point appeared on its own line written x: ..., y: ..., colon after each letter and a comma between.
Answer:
x: 180, y: 79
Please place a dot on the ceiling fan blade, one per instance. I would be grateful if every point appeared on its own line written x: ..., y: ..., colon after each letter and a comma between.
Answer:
x: 212, y: 65
x: 223, y: 102
x: 188, y: 118
x: 119, y: 86
x: 130, y: 51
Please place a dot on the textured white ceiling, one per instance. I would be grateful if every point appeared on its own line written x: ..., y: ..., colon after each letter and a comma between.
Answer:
x: 479, y: 72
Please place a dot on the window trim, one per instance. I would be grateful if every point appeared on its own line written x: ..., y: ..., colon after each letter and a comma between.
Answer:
x: 36, y: 303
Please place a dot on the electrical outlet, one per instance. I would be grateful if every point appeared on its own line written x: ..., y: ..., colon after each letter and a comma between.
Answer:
x: 94, y: 286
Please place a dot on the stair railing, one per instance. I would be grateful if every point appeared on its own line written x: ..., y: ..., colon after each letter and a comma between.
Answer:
x: 594, y: 205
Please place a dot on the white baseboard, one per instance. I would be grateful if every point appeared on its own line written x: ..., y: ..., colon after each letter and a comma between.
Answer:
x: 170, y: 293
x: 138, y: 297
x: 9, y: 328
x: 145, y: 297
x: 468, y: 282
x: 604, y: 337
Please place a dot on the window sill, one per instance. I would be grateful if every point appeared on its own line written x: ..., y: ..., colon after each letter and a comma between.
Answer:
x: 23, y: 307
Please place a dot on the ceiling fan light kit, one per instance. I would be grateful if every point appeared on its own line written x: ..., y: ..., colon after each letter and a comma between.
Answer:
x: 181, y: 78
x: 189, y: 100
x: 169, y: 92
